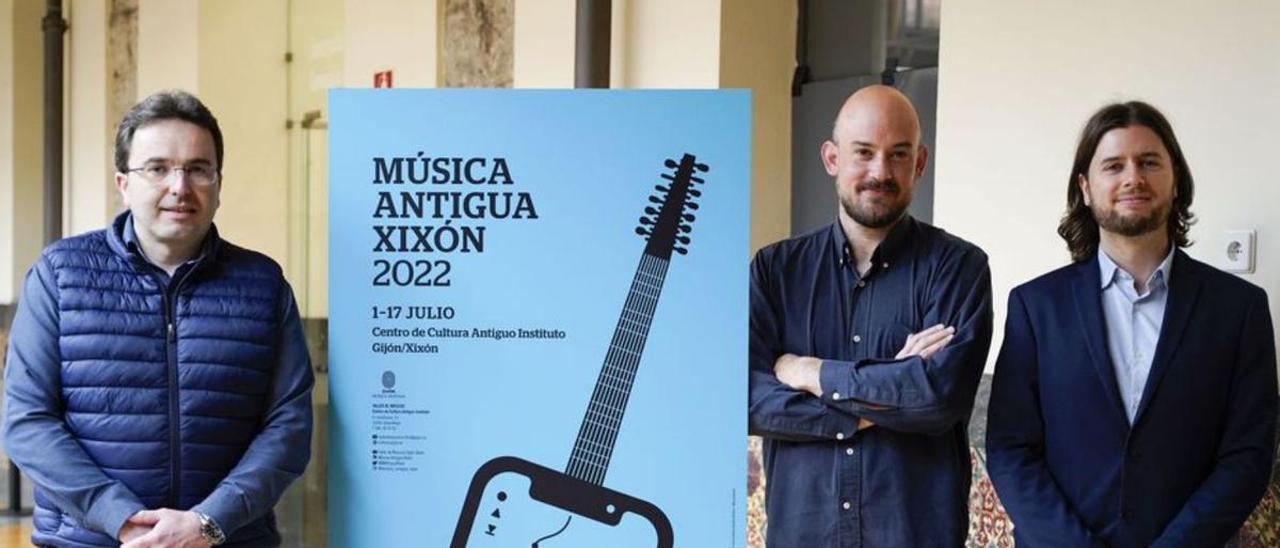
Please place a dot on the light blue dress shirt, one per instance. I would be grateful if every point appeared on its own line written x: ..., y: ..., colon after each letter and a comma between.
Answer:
x: 1133, y: 324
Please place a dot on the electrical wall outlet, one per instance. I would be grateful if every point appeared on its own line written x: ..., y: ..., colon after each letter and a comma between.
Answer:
x: 1238, y: 249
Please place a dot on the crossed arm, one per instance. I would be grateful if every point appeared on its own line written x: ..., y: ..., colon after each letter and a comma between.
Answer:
x: 926, y: 387
x: 804, y: 373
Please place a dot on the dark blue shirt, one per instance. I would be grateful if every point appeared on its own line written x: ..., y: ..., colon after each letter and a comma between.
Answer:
x: 905, y: 481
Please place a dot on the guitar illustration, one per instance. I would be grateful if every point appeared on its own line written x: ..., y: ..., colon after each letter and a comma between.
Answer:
x: 512, y: 502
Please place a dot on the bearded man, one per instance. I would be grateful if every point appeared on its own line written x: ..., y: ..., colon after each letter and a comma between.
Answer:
x: 867, y: 342
x: 1134, y: 399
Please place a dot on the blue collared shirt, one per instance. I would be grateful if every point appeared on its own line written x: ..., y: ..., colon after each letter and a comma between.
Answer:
x: 905, y: 481
x: 130, y: 237
x: 1133, y: 323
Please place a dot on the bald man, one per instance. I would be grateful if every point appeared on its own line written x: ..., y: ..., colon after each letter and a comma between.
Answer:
x: 868, y: 338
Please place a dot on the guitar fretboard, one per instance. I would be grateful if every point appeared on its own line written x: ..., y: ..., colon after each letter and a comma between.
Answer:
x: 594, y: 446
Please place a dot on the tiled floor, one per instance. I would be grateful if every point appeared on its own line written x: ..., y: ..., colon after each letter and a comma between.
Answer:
x: 15, y: 532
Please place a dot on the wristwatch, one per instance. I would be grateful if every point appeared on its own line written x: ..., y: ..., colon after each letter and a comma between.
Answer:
x: 209, y: 529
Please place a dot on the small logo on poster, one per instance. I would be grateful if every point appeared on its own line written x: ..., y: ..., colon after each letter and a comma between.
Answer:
x: 388, y: 380
x: 382, y: 79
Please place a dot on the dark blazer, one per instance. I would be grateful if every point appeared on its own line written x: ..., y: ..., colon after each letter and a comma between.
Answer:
x: 1064, y: 460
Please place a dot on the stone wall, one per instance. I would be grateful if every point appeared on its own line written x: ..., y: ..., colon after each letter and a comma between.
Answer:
x: 478, y: 40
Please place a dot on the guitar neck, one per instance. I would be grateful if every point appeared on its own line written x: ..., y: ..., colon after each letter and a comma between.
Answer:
x: 594, y: 445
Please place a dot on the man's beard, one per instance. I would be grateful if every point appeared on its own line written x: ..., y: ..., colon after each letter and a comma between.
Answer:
x: 1130, y: 226
x: 876, y: 214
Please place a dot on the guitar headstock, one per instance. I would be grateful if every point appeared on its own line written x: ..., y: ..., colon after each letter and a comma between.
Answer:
x: 667, y: 226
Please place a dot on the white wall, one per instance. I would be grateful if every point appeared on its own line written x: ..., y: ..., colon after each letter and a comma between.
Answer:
x: 21, y: 141
x: 316, y: 40
x: 669, y: 43
x: 89, y: 134
x: 231, y: 54
x: 1018, y: 80
x: 242, y: 79
x: 544, y: 44
x: 6, y: 152
x: 400, y: 35
x: 168, y: 46
x: 757, y: 51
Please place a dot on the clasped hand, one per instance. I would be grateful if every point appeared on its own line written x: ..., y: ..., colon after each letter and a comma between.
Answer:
x: 163, y: 528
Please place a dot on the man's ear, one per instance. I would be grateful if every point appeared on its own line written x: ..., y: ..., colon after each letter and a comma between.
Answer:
x: 922, y: 160
x: 830, y: 157
x: 122, y: 185
x: 1083, y: 183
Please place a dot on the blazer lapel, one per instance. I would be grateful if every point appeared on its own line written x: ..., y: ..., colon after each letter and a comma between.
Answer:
x: 1184, y: 287
x: 1087, y: 289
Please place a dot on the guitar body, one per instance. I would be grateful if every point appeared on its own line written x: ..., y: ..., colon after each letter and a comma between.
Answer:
x: 512, y: 502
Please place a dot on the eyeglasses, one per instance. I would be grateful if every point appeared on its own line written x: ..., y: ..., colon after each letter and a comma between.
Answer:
x: 158, y: 174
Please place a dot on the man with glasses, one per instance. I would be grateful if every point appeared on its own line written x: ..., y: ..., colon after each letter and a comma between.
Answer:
x: 158, y: 387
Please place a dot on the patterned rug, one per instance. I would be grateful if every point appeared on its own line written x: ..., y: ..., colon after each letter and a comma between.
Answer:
x: 989, y: 526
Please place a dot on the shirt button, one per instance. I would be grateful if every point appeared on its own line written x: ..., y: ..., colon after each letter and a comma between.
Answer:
x: 848, y: 451
x: 884, y: 265
x: 835, y: 396
x: 857, y: 338
x: 846, y: 505
x: 862, y: 283
x: 839, y: 435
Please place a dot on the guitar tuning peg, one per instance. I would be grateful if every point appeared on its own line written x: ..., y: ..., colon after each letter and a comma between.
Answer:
x: 688, y: 217
x: 647, y: 221
x: 655, y: 199
x: 670, y: 163
x: 643, y: 231
x: 691, y: 204
x: 683, y: 239
x: 661, y: 188
x: 650, y: 211
x: 683, y: 228
x: 680, y: 250
x: 668, y: 176
x: 701, y: 167
x: 696, y: 180
x: 695, y: 193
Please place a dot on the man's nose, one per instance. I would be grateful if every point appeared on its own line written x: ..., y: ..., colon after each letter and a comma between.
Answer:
x: 879, y: 167
x: 177, y: 182
x: 1133, y: 176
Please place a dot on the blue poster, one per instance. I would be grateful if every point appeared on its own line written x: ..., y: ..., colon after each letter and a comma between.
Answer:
x: 538, y: 318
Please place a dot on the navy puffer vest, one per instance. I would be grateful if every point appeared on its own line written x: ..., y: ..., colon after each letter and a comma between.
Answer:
x: 165, y: 394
